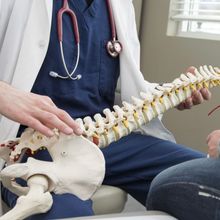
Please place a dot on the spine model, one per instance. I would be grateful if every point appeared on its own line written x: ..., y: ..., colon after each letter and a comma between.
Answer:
x: 64, y: 173
x: 114, y: 124
x: 123, y: 120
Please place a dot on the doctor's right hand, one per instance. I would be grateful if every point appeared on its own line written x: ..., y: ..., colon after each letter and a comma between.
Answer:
x: 35, y: 111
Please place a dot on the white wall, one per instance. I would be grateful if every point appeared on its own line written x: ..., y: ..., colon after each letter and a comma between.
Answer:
x: 164, y: 58
x: 138, y: 10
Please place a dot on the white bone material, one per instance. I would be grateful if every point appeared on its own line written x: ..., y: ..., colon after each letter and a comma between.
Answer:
x: 38, y: 200
x: 66, y: 173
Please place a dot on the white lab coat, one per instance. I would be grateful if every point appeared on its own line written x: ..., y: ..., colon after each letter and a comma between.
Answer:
x: 24, y: 38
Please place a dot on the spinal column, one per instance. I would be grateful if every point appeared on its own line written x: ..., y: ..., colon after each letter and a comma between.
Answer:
x: 123, y: 120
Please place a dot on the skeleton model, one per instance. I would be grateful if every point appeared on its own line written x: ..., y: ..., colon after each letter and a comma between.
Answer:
x: 78, y: 165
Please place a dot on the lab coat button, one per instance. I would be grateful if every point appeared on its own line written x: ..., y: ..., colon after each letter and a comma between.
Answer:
x: 42, y: 44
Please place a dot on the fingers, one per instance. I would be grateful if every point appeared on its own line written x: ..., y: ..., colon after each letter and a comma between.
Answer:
x: 197, y: 98
x: 57, y: 118
x: 213, y: 136
x: 181, y: 106
x: 65, y: 117
x: 208, y: 138
x: 36, y: 111
x: 213, y: 141
x: 188, y: 104
x: 206, y: 94
x: 38, y: 126
x: 48, y: 100
x: 213, y: 150
x: 191, y: 69
x: 44, y: 122
x: 52, y: 121
x: 53, y: 117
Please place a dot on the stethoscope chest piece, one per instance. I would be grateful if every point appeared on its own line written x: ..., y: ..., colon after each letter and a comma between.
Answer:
x: 114, y: 48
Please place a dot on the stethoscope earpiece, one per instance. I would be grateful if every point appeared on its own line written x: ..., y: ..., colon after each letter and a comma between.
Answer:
x: 53, y: 74
x: 79, y: 76
x: 56, y: 75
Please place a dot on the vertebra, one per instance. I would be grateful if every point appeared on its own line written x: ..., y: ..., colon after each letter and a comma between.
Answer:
x: 114, y: 124
x: 124, y: 120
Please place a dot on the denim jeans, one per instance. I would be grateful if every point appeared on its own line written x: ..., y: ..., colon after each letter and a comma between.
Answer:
x: 188, y: 191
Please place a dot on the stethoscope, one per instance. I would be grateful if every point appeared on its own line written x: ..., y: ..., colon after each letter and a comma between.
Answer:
x: 114, y: 47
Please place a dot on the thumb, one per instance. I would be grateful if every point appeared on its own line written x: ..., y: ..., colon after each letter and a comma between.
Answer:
x: 191, y: 69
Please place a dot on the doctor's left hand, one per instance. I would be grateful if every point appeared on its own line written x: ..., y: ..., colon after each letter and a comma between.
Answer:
x: 197, y: 97
x: 35, y: 111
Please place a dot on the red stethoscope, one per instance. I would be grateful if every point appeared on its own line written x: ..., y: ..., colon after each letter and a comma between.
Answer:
x: 114, y: 47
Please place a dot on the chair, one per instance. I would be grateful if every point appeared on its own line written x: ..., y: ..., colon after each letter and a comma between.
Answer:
x: 109, y: 199
x: 106, y: 200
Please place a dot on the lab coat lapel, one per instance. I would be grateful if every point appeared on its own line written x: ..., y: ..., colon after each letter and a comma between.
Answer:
x: 31, y: 55
x: 130, y: 57
x: 124, y: 16
x: 49, y: 7
x: 130, y: 63
x: 34, y: 45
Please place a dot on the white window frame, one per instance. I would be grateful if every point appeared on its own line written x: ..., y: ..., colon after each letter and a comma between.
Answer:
x: 175, y: 24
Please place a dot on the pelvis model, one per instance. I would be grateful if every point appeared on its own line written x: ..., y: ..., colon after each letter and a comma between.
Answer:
x: 78, y: 166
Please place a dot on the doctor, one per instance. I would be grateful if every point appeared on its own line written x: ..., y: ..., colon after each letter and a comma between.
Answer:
x: 74, y: 59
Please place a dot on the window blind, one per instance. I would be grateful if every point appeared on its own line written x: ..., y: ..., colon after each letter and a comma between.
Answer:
x: 195, y: 10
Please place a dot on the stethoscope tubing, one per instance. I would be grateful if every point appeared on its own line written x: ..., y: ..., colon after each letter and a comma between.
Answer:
x: 70, y: 75
x: 111, y: 19
x: 113, y: 46
x: 62, y: 11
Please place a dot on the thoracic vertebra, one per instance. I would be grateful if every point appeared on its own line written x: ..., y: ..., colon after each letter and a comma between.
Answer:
x: 123, y: 120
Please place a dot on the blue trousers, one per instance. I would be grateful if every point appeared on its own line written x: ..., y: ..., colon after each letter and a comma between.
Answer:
x: 131, y: 164
x: 188, y: 191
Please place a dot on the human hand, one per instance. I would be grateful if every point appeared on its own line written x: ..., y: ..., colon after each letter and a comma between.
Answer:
x: 213, y: 141
x: 197, y: 97
x: 35, y: 111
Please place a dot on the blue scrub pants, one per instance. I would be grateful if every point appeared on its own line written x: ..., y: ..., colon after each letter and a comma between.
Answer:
x: 188, y: 191
x: 131, y: 164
